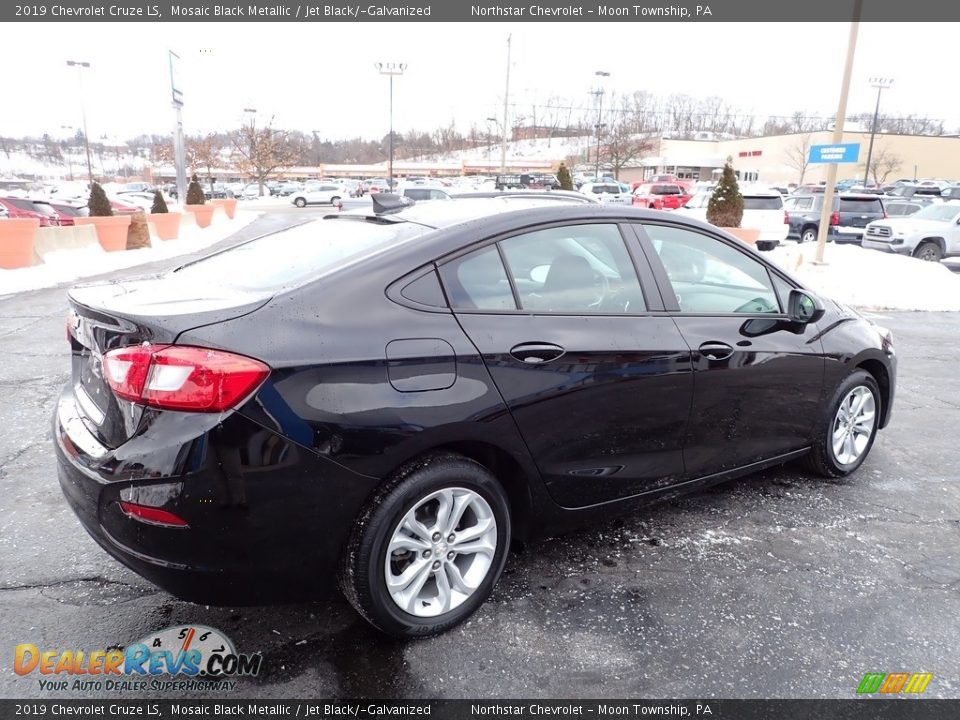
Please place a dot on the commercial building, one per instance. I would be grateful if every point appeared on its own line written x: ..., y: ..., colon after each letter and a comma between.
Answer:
x: 776, y: 158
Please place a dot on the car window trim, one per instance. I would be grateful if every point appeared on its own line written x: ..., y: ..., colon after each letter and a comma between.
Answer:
x: 645, y: 277
x: 666, y: 287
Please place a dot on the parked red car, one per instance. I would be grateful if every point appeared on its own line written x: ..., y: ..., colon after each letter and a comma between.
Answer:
x: 67, y: 213
x: 36, y: 209
x: 660, y: 196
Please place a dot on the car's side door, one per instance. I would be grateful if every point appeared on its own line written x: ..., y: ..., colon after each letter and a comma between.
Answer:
x: 758, y: 377
x: 594, y: 372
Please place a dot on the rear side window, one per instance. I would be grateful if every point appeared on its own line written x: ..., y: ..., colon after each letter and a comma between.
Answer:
x: 762, y: 203
x: 575, y: 269
x: 861, y: 206
x: 298, y: 255
x: 478, y: 281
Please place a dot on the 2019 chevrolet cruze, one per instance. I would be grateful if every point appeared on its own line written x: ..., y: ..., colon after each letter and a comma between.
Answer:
x: 389, y: 398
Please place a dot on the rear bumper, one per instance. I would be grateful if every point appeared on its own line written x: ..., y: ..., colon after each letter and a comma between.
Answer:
x: 267, y: 518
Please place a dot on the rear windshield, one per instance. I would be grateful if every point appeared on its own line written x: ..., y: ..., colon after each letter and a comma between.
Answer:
x: 762, y: 203
x: 298, y: 255
x: 861, y: 206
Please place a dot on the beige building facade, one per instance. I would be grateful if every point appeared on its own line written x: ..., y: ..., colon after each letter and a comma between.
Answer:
x: 774, y: 159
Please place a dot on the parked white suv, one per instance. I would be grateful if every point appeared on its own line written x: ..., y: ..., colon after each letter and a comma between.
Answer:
x: 315, y: 193
x: 929, y: 234
x: 762, y: 210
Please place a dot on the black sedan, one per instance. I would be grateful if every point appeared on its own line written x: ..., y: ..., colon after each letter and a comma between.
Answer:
x: 389, y: 398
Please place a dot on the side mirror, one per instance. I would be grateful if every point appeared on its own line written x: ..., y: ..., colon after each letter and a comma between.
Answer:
x: 802, y: 307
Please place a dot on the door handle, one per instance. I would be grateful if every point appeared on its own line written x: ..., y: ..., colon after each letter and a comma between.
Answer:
x: 716, y: 350
x: 536, y: 352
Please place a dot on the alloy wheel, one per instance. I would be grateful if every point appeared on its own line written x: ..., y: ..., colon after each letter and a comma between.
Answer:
x: 853, y: 425
x: 440, y: 552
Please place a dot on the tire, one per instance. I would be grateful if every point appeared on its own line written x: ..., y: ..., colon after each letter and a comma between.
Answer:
x: 334, y: 200
x: 928, y: 251
x: 300, y: 202
x: 766, y: 245
x: 824, y: 459
x: 808, y: 234
x: 413, y: 490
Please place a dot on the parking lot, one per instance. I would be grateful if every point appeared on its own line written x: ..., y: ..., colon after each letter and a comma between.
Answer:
x: 777, y: 585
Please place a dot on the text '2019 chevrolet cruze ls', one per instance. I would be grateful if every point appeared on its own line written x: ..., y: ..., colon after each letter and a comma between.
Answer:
x: 389, y: 398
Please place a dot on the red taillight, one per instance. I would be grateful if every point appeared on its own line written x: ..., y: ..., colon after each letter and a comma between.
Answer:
x: 835, y: 218
x: 152, y: 515
x: 786, y: 218
x: 174, y: 377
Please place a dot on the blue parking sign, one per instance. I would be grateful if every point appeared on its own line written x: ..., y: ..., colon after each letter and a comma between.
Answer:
x: 840, y: 153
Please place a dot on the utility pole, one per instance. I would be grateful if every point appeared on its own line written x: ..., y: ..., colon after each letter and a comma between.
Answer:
x: 83, y: 112
x: 828, y: 193
x: 599, y: 94
x: 506, y: 101
x: 880, y: 83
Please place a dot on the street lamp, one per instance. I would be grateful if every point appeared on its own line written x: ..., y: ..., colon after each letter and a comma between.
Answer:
x: 390, y: 69
x: 880, y: 83
x: 69, y: 159
x: 599, y: 95
x: 83, y: 111
x: 491, y: 121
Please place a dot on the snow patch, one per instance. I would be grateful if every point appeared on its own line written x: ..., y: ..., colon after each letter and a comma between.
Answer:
x: 872, y: 279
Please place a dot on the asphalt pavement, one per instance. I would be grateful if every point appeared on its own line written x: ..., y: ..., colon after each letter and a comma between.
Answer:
x: 776, y: 585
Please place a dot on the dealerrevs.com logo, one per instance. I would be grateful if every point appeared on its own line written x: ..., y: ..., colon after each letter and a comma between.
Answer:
x: 182, y: 657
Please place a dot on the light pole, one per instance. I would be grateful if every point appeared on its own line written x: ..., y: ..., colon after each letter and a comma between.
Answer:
x: 491, y: 121
x: 391, y: 70
x: 316, y: 141
x: 69, y: 159
x: 880, y: 83
x: 599, y: 94
x: 83, y: 112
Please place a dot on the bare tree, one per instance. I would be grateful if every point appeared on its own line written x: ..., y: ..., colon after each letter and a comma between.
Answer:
x: 883, y: 163
x: 797, y: 155
x: 203, y: 153
x: 623, y: 143
x: 259, y: 151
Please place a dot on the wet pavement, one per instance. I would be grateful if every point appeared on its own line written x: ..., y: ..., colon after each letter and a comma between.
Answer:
x: 776, y: 585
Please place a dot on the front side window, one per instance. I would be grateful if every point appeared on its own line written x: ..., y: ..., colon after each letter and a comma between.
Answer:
x: 709, y: 276
x: 574, y: 269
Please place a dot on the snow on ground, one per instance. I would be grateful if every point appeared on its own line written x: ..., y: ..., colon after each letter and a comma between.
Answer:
x: 872, y: 279
x: 62, y: 266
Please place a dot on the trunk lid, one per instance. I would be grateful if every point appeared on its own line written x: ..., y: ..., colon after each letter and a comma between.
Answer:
x: 155, y: 310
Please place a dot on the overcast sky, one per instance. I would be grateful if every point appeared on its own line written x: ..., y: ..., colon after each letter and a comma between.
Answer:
x: 321, y: 77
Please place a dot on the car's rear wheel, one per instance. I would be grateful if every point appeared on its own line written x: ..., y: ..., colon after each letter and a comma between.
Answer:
x: 428, y: 549
x: 334, y: 200
x: 928, y: 251
x: 846, y: 433
x: 300, y: 202
x: 808, y: 235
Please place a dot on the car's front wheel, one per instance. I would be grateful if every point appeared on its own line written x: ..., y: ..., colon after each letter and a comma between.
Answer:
x: 928, y: 251
x: 846, y: 433
x: 300, y: 202
x: 429, y: 548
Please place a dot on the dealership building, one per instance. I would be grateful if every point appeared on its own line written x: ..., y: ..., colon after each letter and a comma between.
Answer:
x: 773, y: 158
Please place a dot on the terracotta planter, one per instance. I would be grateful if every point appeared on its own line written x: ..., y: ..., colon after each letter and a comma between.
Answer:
x: 229, y: 205
x: 111, y: 231
x: 16, y: 242
x: 167, y: 224
x: 747, y: 235
x: 202, y: 213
